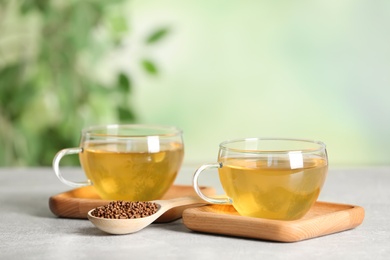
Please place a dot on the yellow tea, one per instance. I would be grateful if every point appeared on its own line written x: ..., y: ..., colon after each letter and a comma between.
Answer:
x: 131, y: 171
x: 271, y: 189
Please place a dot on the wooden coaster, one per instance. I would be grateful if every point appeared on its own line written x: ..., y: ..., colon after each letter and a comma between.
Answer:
x: 77, y: 202
x: 323, y: 218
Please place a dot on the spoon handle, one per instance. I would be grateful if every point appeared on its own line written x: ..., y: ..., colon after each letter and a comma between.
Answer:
x: 177, y: 202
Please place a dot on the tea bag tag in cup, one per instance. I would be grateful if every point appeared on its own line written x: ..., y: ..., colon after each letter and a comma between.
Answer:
x: 56, y: 167
x: 195, y: 183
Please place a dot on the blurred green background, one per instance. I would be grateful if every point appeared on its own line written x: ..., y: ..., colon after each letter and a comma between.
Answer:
x: 217, y: 69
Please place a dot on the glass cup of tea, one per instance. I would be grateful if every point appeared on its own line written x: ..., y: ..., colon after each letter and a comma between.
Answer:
x: 127, y: 162
x: 269, y: 178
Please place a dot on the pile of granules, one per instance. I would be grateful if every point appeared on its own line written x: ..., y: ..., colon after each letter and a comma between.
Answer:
x: 126, y: 209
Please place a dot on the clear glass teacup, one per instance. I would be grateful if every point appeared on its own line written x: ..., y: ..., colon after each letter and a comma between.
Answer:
x: 127, y: 162
x: 269, y: 178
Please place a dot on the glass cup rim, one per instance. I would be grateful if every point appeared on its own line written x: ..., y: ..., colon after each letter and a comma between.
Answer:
x: 224, y: 145
x: 159, y: 130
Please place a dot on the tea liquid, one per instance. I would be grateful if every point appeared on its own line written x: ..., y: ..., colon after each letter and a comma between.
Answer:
x: 120, y: 171
x: 262, y: 189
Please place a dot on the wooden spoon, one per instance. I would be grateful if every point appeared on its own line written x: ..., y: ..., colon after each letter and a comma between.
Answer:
x: 127, y: 226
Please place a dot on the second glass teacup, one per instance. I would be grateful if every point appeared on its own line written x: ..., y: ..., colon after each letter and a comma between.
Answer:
x: 127, y: 162
x: 269, y: 178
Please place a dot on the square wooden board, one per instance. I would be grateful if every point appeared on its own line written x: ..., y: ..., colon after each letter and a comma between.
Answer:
x: 323, y: 218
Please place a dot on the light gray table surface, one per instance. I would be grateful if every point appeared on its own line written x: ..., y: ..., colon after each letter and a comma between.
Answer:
x: 28, y: 229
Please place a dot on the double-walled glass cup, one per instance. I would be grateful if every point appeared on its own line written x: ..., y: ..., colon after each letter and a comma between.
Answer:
x: 269, y: 178
x: 127, y: 162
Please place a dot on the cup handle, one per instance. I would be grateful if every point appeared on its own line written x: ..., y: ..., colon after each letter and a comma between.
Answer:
x: 56, y: 167
x: 199, y: 192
